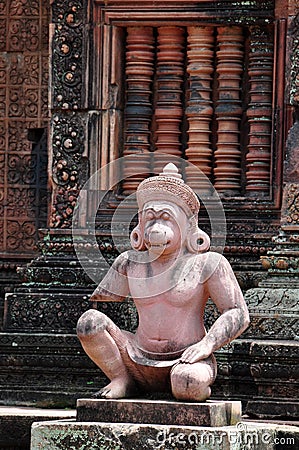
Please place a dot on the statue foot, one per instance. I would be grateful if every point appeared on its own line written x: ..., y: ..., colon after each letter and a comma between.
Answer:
x: 118, y: 388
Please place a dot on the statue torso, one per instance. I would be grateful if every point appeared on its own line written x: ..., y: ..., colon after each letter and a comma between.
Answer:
x: 170, y: 300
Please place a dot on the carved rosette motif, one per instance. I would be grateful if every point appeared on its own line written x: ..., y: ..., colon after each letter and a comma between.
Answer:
x: 69, y: 166
x: 169, y: 111
x: 290, y: 210
x: 199, y: 109
x: 259, y: 112
x: 230, y: 56
x: 138, y: 108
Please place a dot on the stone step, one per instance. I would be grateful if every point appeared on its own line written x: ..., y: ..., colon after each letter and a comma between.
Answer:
x: 16, y: 421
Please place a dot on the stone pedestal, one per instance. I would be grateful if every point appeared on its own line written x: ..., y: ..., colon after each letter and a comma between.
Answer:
x: 210, y: 413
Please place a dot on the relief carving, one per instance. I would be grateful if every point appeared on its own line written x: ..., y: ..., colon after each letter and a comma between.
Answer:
x: 23, y: 106
x: 23, y: 34
x: 69, y: 57
x: 21, y: 235
x: 294, y: 57
x: 42, y: 313
x: 32, y: 68
x: 19, y: 8
x: 69, y: 167
x: 292, y: 203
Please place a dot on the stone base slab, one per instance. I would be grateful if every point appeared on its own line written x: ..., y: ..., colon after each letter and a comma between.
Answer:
x: 209, y: 413
x: 62, y: 435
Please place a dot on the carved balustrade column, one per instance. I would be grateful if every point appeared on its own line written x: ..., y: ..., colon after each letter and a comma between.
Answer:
x: 169, y: 110
x: 229, y: 109
x: 138, y: 109
x: 260, y: 71
x: 199, y: 109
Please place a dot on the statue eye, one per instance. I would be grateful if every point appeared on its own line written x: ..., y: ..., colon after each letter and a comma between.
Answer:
x: 165, y: 216
x: 149, y: 215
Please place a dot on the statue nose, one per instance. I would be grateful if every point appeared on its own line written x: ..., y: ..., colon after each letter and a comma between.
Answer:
x: 157, y: 236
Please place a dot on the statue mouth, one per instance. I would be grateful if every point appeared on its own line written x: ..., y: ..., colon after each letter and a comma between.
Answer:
x: 156, y: 246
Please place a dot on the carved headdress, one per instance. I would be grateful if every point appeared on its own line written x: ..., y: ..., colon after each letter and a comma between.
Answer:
x: 168, y: 185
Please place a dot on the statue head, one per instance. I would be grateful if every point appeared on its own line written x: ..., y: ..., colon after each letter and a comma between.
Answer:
x: 168, y: 215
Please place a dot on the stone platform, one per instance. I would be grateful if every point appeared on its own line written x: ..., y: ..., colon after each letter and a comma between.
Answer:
x: 163, y: 412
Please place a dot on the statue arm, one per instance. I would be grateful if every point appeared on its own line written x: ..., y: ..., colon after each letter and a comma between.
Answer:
x: 225, y: 292
x: 114, y: 286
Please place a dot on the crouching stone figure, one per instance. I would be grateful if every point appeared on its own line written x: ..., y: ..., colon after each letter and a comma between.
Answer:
x: 170, y: 274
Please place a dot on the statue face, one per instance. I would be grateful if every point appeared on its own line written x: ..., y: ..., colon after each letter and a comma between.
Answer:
x: 164, y: 226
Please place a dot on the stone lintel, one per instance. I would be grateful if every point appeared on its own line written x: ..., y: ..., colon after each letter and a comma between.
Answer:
x: 210, y: 413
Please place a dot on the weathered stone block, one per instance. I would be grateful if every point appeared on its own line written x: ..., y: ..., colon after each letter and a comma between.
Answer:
x: 273, y: 313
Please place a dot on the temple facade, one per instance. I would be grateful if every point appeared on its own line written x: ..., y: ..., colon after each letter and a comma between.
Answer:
x: 85, y: 83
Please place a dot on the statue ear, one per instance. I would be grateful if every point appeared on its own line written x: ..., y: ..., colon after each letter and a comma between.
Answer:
x: 198, y: 241
x: 136, y: 238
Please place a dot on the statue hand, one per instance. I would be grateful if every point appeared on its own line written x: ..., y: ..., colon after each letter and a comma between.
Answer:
x: 195, y: 352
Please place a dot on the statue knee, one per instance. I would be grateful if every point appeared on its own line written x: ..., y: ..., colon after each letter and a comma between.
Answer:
x: 90, y: 323
x: 190, y: 382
